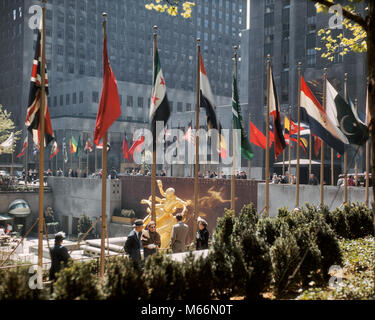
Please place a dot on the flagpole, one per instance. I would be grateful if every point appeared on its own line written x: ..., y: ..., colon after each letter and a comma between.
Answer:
x: 197, y: 109
x: 104, y: 181
x: 249, y: 170
x: 332, y: 167
x: 11, y: 169
x: 87, y: 164
x: 27, y: 159
x: 367, y: 153
x: 268, y: 134
x: 233, y: 182
x: 80, y: 154
x: 322, y: 145
x: 70, y: 149
x: 355, y: 160
x: 346, y: 152
x: 299, y: 132
x: 63, y: 162
x: 290, y: 147
x: 41, y: 142
x: 153, y: 178
x: 310, y: 153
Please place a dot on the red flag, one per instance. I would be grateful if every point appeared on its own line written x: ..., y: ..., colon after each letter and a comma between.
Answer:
x: 137, y: 145
x: 109, y: 107
x: 125, y: 149
x: 258, y: 138
x: 317, y: 146
x: 55, y: 150
x: 23, y: 149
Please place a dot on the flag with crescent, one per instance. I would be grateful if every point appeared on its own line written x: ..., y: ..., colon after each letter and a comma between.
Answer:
x: 344, y: 117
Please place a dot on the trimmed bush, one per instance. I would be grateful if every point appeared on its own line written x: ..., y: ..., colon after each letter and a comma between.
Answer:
x: 226, y: 260
x: 84, y: 223
x: 14, y: 285
x: 163, y: 278
x: 285, y: 256
x: 124, y: 280
x: 197, y: 278
x: 269, y: 229
x: 78, y: 281
x: 255, y: 253
x: 352, y: 221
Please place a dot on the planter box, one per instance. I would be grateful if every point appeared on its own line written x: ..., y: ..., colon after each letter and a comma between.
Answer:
x: 123, y: 220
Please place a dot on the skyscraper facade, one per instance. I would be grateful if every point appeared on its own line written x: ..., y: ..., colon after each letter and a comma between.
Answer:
x: 74, y: 42
x: 287, y: 30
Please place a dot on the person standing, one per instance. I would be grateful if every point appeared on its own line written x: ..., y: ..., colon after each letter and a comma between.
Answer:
x: 59, y: 256
x: 150, y: 240
x: 133, y: 242
x: 313, y: 180
x: 179, y: 235
x: 202, y: 235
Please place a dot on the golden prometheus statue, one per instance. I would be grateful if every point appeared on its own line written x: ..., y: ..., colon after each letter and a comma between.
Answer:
x: 165, y: 209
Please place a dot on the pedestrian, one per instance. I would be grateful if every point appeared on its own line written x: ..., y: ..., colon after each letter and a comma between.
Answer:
x: 59, y: 257
x: 9, y: 229
x: 202, y: 235
x: 313, y: 180
x: 133, y: 242
x: 179, y: 235
x: 150, y: 240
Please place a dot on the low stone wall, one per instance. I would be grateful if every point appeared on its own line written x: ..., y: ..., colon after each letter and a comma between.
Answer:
x: 284, y: 195
x: 72, y: 197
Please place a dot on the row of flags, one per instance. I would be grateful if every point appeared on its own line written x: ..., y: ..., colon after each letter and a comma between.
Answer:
x: 338, y: 125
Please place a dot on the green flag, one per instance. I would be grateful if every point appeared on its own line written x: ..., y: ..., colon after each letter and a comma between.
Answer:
x: 79, y: 147
x: 246, y: 150
x: 345, y: 117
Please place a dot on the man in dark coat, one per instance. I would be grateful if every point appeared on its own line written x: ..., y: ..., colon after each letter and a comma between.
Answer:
x: 133, y: 243
x: 59, y: 256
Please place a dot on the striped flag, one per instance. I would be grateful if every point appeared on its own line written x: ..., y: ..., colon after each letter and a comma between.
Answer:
x: 73, y: 145
x: 279, y: 141
x: 33, y: 111
x: 318, y: 120
x: 25, y: 143
x: 88, y: 146
x: 159, y: 109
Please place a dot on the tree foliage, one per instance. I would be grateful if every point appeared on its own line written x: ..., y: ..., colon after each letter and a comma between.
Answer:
x: 351, y: 38
x: 6, y: 128
x: 172, y: 7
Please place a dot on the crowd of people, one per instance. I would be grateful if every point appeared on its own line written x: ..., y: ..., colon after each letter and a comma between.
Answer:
x: 149, y: 239
x: 139, y: 238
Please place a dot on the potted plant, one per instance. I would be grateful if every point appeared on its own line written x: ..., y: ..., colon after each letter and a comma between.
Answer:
x: 127, y: 216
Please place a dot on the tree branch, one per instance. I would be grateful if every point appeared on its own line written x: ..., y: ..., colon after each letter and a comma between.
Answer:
x: 347, y: 14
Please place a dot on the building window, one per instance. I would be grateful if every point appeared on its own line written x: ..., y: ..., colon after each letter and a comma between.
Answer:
x: 140, y: 102
x: 95, y: 96
x: 81, y: 97
x: 311, y: 57
x: 55, y: 101
x: 67, y: 99
x: 129, y: 101
x: 179, y: 106
x: 74, y: 98
x: 61, y: 100
x: 188, y: 107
